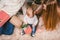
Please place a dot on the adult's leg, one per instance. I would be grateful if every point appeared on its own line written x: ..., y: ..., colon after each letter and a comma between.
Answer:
x: 8, y: 28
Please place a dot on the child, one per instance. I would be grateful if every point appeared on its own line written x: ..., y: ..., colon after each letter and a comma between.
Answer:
x: 9, y: 7
x: 31, y: 20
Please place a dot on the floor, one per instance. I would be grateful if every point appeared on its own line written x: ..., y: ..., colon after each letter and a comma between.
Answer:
x: 40, y: 35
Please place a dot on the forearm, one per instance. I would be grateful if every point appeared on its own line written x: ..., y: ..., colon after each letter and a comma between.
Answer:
x: 24, y: 8
x: 38, y: 9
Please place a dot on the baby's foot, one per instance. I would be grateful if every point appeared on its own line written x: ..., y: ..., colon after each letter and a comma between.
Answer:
x: 22, y: 32
x: 33, y: 34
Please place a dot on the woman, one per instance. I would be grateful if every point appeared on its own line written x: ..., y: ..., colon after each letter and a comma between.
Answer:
x: 50, y: 17
x: 8, y: 8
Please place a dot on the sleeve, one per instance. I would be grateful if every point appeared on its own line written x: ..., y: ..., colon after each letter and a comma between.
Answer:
x: 24, y: 9
x: 12, y: 7
x: 4, y: 17
x: 1, y: 4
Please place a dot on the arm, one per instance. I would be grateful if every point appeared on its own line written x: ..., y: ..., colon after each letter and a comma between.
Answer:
x: 24, y: 8
x: 1, y: 4
x: 16, y: 21
x: 12, y: 7
x: 38, y: 9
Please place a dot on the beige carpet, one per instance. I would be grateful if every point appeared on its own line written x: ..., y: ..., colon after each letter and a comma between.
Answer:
x: 40, y: 35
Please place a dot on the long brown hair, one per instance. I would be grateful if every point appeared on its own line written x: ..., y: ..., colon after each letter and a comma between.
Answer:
x: 50, y: 17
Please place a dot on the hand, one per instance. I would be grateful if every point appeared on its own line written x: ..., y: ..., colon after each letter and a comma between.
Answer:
x: 44, y: 6
x: 38, y: 9
x: 16, y: 21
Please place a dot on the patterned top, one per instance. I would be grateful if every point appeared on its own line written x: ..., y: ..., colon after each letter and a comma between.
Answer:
x: 32, y: 20
x: 11, y: 7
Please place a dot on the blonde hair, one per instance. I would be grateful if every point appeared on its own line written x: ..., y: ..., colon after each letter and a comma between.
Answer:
x: 30, y: 7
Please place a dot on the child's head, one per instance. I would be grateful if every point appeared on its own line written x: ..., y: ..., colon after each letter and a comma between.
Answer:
x: 30, y: 11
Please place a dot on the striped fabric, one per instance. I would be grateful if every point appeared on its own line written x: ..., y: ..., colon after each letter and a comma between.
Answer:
x: 3, y: 18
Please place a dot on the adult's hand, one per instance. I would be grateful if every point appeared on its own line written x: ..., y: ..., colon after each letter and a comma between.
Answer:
x: 16, y: 21
x: 38, y: 10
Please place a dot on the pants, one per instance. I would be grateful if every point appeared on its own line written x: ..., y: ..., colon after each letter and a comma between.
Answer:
x: 7, y: 29
x: 33, y: 29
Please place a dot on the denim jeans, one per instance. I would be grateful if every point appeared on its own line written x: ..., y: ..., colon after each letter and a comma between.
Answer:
x: 7, y: 28
x: 33, y: 29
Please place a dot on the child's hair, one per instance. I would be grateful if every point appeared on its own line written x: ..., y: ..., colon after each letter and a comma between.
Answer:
x: 50, y: 17
x: 29, y: 2
x: 30, y: 6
